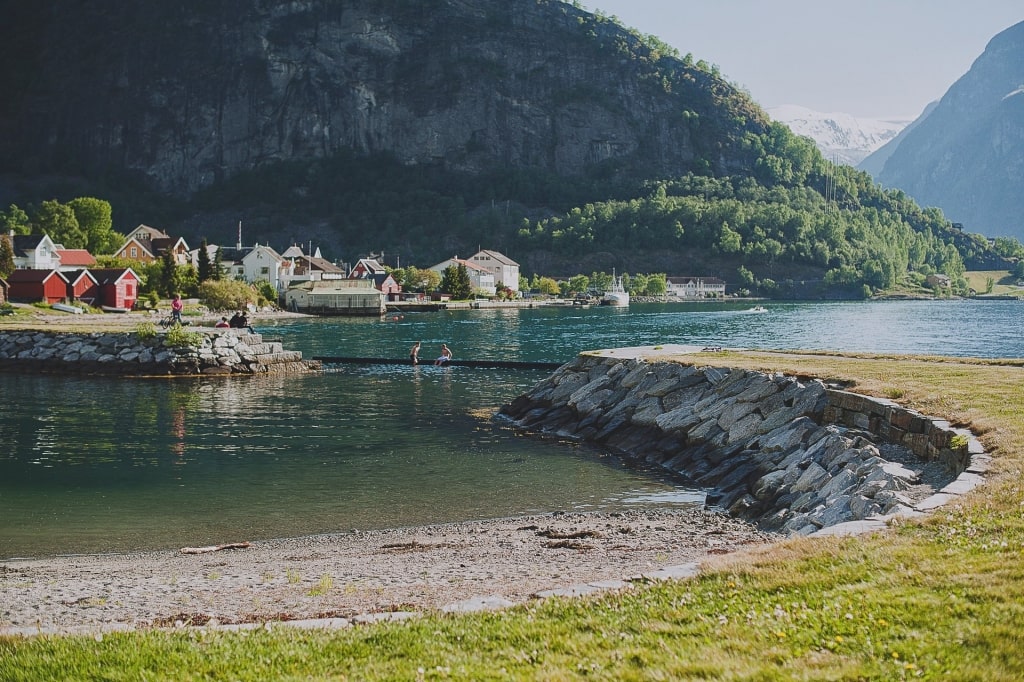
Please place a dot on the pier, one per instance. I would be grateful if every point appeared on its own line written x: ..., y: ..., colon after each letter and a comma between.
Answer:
x: 479, y: 364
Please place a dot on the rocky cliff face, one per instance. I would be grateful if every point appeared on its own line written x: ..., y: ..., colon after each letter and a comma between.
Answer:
x: 966, y: 156
x: 188, y: 94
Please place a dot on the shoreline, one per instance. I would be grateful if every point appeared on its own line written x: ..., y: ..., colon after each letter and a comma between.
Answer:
x: 365, y: 575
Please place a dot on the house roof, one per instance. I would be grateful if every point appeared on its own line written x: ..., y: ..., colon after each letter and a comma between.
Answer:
x: 74, y: 275
x: 71, y: 257
x: 470, y: 265
x: 292, y: 251
x: 23, y: 244
x: 320, y: 264
x: 495, y: 256
x: 371, y: 265
x: 147, y: 232
x: 267, y: 250
x: 112, y: 275
x: 30, y: 275
x: 695, y: 280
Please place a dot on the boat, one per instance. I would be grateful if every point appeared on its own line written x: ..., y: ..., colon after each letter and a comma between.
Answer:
x: 758, y: 309
x: 65, y: 308
x: 114, y: 309
x: 617, y: 295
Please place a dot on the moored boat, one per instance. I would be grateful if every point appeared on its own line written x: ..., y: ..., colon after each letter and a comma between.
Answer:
x: 616, y: 295
x: 64, y: 308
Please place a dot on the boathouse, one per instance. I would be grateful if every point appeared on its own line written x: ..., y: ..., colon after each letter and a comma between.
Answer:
x: 336, y: 297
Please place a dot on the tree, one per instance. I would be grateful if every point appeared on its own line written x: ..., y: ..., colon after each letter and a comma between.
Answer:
x: 59, y: 222
x: 218, y: 265
x: 15, y: 220
x: 579, y: 284
x: 6, y: 256
x: 204, y: 264
x: 456, y: 282
x: 94, y: 219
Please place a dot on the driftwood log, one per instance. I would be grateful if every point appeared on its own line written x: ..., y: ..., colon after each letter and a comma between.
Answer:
x: 214, y: 548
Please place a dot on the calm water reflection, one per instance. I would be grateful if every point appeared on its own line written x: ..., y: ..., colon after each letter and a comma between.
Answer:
x: 92, y: 465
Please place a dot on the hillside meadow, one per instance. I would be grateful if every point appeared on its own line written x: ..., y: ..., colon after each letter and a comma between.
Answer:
x: 937, y: 598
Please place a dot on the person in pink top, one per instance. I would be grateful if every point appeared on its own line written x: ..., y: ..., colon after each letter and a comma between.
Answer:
x: 176, y: 307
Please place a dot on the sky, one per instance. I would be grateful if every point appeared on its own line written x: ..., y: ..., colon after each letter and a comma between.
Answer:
x: 882, y: 59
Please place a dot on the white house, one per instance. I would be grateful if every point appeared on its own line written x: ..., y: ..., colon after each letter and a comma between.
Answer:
x: 694, y: 287
x: 34, y: 252
x: 504, y: 269
x: 264, y: 263
x: 480, y: 278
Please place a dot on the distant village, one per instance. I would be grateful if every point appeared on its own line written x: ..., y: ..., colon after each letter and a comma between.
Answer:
x: 305, y: 282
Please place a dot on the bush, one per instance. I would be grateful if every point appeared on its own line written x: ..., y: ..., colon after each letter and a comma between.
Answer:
x: 177, y: 337
x: 145, y: 330
x: 226, y: 294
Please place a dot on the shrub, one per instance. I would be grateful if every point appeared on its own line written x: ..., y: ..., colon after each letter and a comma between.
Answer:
x: 226, y: 294
x: 145, y: 330
x: 177, y: 337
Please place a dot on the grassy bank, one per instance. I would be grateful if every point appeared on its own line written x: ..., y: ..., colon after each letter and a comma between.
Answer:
x: 941, y: 598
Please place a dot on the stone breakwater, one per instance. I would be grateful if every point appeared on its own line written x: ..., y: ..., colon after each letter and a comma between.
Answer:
x: 795, y: 456
x: 207, y: 352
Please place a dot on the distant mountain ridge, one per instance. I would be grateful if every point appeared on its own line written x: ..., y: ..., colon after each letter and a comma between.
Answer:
x: 966, y: 155
x: 846, y: 138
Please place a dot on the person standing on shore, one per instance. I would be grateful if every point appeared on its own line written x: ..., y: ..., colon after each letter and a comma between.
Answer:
x: 176, y: 307
x: 414, y: 353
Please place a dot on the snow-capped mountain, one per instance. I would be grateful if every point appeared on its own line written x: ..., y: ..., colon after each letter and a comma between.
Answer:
x: 847, y: 138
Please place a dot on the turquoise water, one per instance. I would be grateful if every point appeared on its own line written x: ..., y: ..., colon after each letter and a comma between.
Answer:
x: 105, y: 465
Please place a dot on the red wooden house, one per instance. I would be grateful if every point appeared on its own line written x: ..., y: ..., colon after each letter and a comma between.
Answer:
x: 82, y: 286
x: 30, y: 285
x: 118, y: 287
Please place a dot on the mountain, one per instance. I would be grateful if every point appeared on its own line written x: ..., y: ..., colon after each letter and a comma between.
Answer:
x: 875, y: 161
x: 967, y: 155
x: 185, y: 95
x: 846, y: 138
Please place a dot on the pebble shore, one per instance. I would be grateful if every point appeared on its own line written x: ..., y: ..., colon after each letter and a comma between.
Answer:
x: 337, y: 580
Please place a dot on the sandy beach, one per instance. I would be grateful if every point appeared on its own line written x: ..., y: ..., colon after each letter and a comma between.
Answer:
x: 361, y: 575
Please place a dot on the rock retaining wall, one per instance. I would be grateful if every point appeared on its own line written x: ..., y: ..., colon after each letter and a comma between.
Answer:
x: 215, y: 351
x: 796, y: 456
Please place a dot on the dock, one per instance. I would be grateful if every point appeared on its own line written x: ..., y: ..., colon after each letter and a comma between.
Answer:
x: 479, y: 364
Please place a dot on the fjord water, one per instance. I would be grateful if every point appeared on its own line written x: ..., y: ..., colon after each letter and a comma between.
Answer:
x: 114, y: 465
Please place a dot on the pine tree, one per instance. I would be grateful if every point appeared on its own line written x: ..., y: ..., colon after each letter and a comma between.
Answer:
x: 204, y: 265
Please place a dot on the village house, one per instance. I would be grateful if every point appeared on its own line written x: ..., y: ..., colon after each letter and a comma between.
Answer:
x: 82, y: 286
x: 694, y: 287
x: 480, y: 278
x: 118, y: 287
x: 31, y: 285
x: 504, y: 269
x: 34, y: 252
x: 255, y: 264
x: 336, y: 297
x: 383, y: 281
x: 147, y: 244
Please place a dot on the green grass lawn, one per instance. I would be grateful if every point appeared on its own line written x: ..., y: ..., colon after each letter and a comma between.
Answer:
x: 937, y: 599
x: 1003, y: 283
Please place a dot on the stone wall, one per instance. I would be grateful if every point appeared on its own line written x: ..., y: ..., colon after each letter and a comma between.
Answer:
x: 216, y: 351
x: 796, y: 456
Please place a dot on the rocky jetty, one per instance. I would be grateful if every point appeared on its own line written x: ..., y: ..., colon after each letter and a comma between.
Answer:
x: 794, y: 455
x: 202, y: 352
